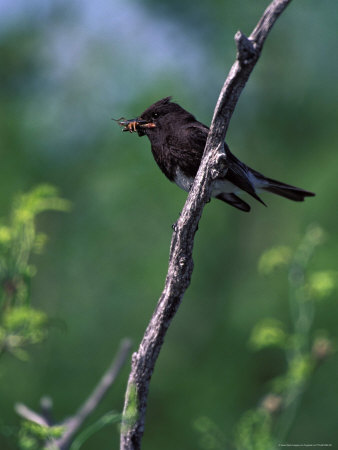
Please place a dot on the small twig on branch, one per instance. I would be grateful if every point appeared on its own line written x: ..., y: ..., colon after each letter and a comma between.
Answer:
x: 28, y: 414
x: 180, y: 268
x: 46, y: 405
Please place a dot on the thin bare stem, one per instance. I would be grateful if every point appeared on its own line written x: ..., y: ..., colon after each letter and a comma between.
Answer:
x: 74, y: 423
x: 28, y: 414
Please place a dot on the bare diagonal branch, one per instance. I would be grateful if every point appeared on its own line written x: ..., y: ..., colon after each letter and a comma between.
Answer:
x: 74, y: 423
x: 180, y: 268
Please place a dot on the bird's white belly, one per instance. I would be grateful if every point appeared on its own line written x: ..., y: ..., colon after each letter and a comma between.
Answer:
x: 182, y: 180
x: 220, y: 186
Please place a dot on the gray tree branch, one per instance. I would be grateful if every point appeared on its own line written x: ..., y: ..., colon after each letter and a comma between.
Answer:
x: 213, y: 165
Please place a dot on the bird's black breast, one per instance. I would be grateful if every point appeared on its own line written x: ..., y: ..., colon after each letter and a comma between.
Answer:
x: 181, y: 147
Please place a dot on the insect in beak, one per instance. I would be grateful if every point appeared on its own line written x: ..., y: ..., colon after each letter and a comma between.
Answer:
x: 133, y: 124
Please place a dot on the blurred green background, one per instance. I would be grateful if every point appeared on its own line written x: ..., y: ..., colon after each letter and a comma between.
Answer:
x: 66, y: 68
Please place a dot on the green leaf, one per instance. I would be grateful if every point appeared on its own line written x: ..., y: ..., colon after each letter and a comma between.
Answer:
x: 211, y: 437
x: 254, y: 431
x: 273, y: 259
x: 268, y: 333
x: 321, y: 284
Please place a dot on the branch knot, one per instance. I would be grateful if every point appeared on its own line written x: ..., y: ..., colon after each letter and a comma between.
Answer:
x: 182, y: 261
x: 220, y: 169
x: 246, y: 51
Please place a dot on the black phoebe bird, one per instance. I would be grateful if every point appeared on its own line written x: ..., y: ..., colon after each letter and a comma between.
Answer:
x: 177, y: 143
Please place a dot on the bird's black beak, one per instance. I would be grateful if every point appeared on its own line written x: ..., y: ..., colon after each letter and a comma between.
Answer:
x: 137, y: 124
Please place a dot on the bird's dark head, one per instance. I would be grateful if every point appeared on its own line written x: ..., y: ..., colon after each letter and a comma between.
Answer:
x: 159, y: 117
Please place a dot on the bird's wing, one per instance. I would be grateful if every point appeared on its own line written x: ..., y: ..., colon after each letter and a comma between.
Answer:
x: 196, y: 135
x: 187, y: 148
x: 239, y: 175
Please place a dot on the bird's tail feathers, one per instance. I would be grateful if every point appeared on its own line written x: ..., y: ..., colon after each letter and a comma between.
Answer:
x: 286, y: 190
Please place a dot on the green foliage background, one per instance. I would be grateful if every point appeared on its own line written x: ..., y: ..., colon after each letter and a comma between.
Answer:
x: 66, y: 69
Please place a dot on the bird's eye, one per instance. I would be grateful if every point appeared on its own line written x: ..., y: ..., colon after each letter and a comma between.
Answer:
x: 155, y: 115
